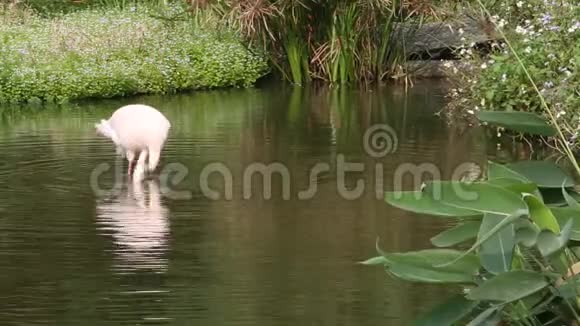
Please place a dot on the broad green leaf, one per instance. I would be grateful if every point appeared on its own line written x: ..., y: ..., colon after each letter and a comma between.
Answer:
x: 421, y: 203
x: 500, y: 171
x: 478, y: 196
x: 457, y: 234
x: 549, y: 243
x: 496, y: 253
x: 419, y: 266
x: 378, y: 260
x: 502, y: 224
x: 447, y: 313
x: 515, y: 185
x: 563, y: 215
x: 541, y: 214
x: 543, y: 173
x: 526, y: 232
x: 570, y: 200
x: 509, y: 287
x: 488, y: 317
x: 524, y: 122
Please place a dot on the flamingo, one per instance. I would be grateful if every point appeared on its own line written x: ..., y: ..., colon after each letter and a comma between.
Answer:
x: 137, y: 129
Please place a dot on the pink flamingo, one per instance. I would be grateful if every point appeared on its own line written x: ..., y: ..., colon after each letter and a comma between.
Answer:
x: 137, y: 129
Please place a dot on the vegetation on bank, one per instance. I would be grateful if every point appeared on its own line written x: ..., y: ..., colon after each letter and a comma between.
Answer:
x: 545, y: 37
x: 340, y: 41
x: 116, y: 52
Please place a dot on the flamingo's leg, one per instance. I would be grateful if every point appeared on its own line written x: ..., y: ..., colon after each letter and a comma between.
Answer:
x: 130, y: 158
x: 153, y: 158
x: 140, y: 166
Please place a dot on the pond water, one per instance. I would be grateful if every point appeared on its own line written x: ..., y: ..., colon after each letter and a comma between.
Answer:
x: 81, y: 244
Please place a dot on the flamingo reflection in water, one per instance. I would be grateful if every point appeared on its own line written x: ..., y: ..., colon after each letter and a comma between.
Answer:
x: 139, y: 226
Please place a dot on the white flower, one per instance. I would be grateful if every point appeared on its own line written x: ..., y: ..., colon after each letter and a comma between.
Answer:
x: 460, y: 31
x: 528, y: 50
x: 483, y: 65
x: 521, y: 30
x: 503, y: 77
x: 520, y: 4
x: 470, y: 112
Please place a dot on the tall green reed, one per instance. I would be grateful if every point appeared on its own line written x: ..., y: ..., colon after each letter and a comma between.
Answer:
x: 338, y: 41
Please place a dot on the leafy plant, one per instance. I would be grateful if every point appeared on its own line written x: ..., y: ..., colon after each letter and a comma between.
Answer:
x: 540, y: 39
x: 521, y: 262
x: 116, y: 52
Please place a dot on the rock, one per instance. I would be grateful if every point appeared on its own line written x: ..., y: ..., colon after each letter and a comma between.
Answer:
x: 434, y: 68
x: 435, y: 37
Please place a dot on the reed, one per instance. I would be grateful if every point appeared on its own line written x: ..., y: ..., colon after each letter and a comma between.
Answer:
x: 335, y: 41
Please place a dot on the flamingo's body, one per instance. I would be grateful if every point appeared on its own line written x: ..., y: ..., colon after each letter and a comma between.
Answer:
x: 137, y: 129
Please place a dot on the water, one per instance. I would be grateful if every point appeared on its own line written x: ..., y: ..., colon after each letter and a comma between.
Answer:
x: 159, y: 253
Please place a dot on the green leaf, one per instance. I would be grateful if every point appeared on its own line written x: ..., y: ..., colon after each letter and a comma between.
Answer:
x: 478, y: 196
x: 500, y: 171
x: 488, y: 317
x: 421, y: 203
x: 526, y: 232
x: 543, y: 173
x: 447, y: 313
x: 515, y: 185
x: 570, y: 200
x: 524, y: 122
x: 419, y: 266
x: 505, y: 222
x: 378, y: 260
x: 549, y: 243
x: 496, y: 253
x: 509, y: 287
x: 563, y: 215
x: 457, y: 234
x: 541, y: 214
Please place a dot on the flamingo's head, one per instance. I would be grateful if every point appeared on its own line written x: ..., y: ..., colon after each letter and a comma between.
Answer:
x: 104, y: 129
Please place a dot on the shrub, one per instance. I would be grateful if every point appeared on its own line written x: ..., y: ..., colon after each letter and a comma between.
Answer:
x: 114, y: 52
x: 545, y: 35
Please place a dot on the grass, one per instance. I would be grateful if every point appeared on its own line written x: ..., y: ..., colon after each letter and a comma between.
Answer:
x: 116, y: 52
